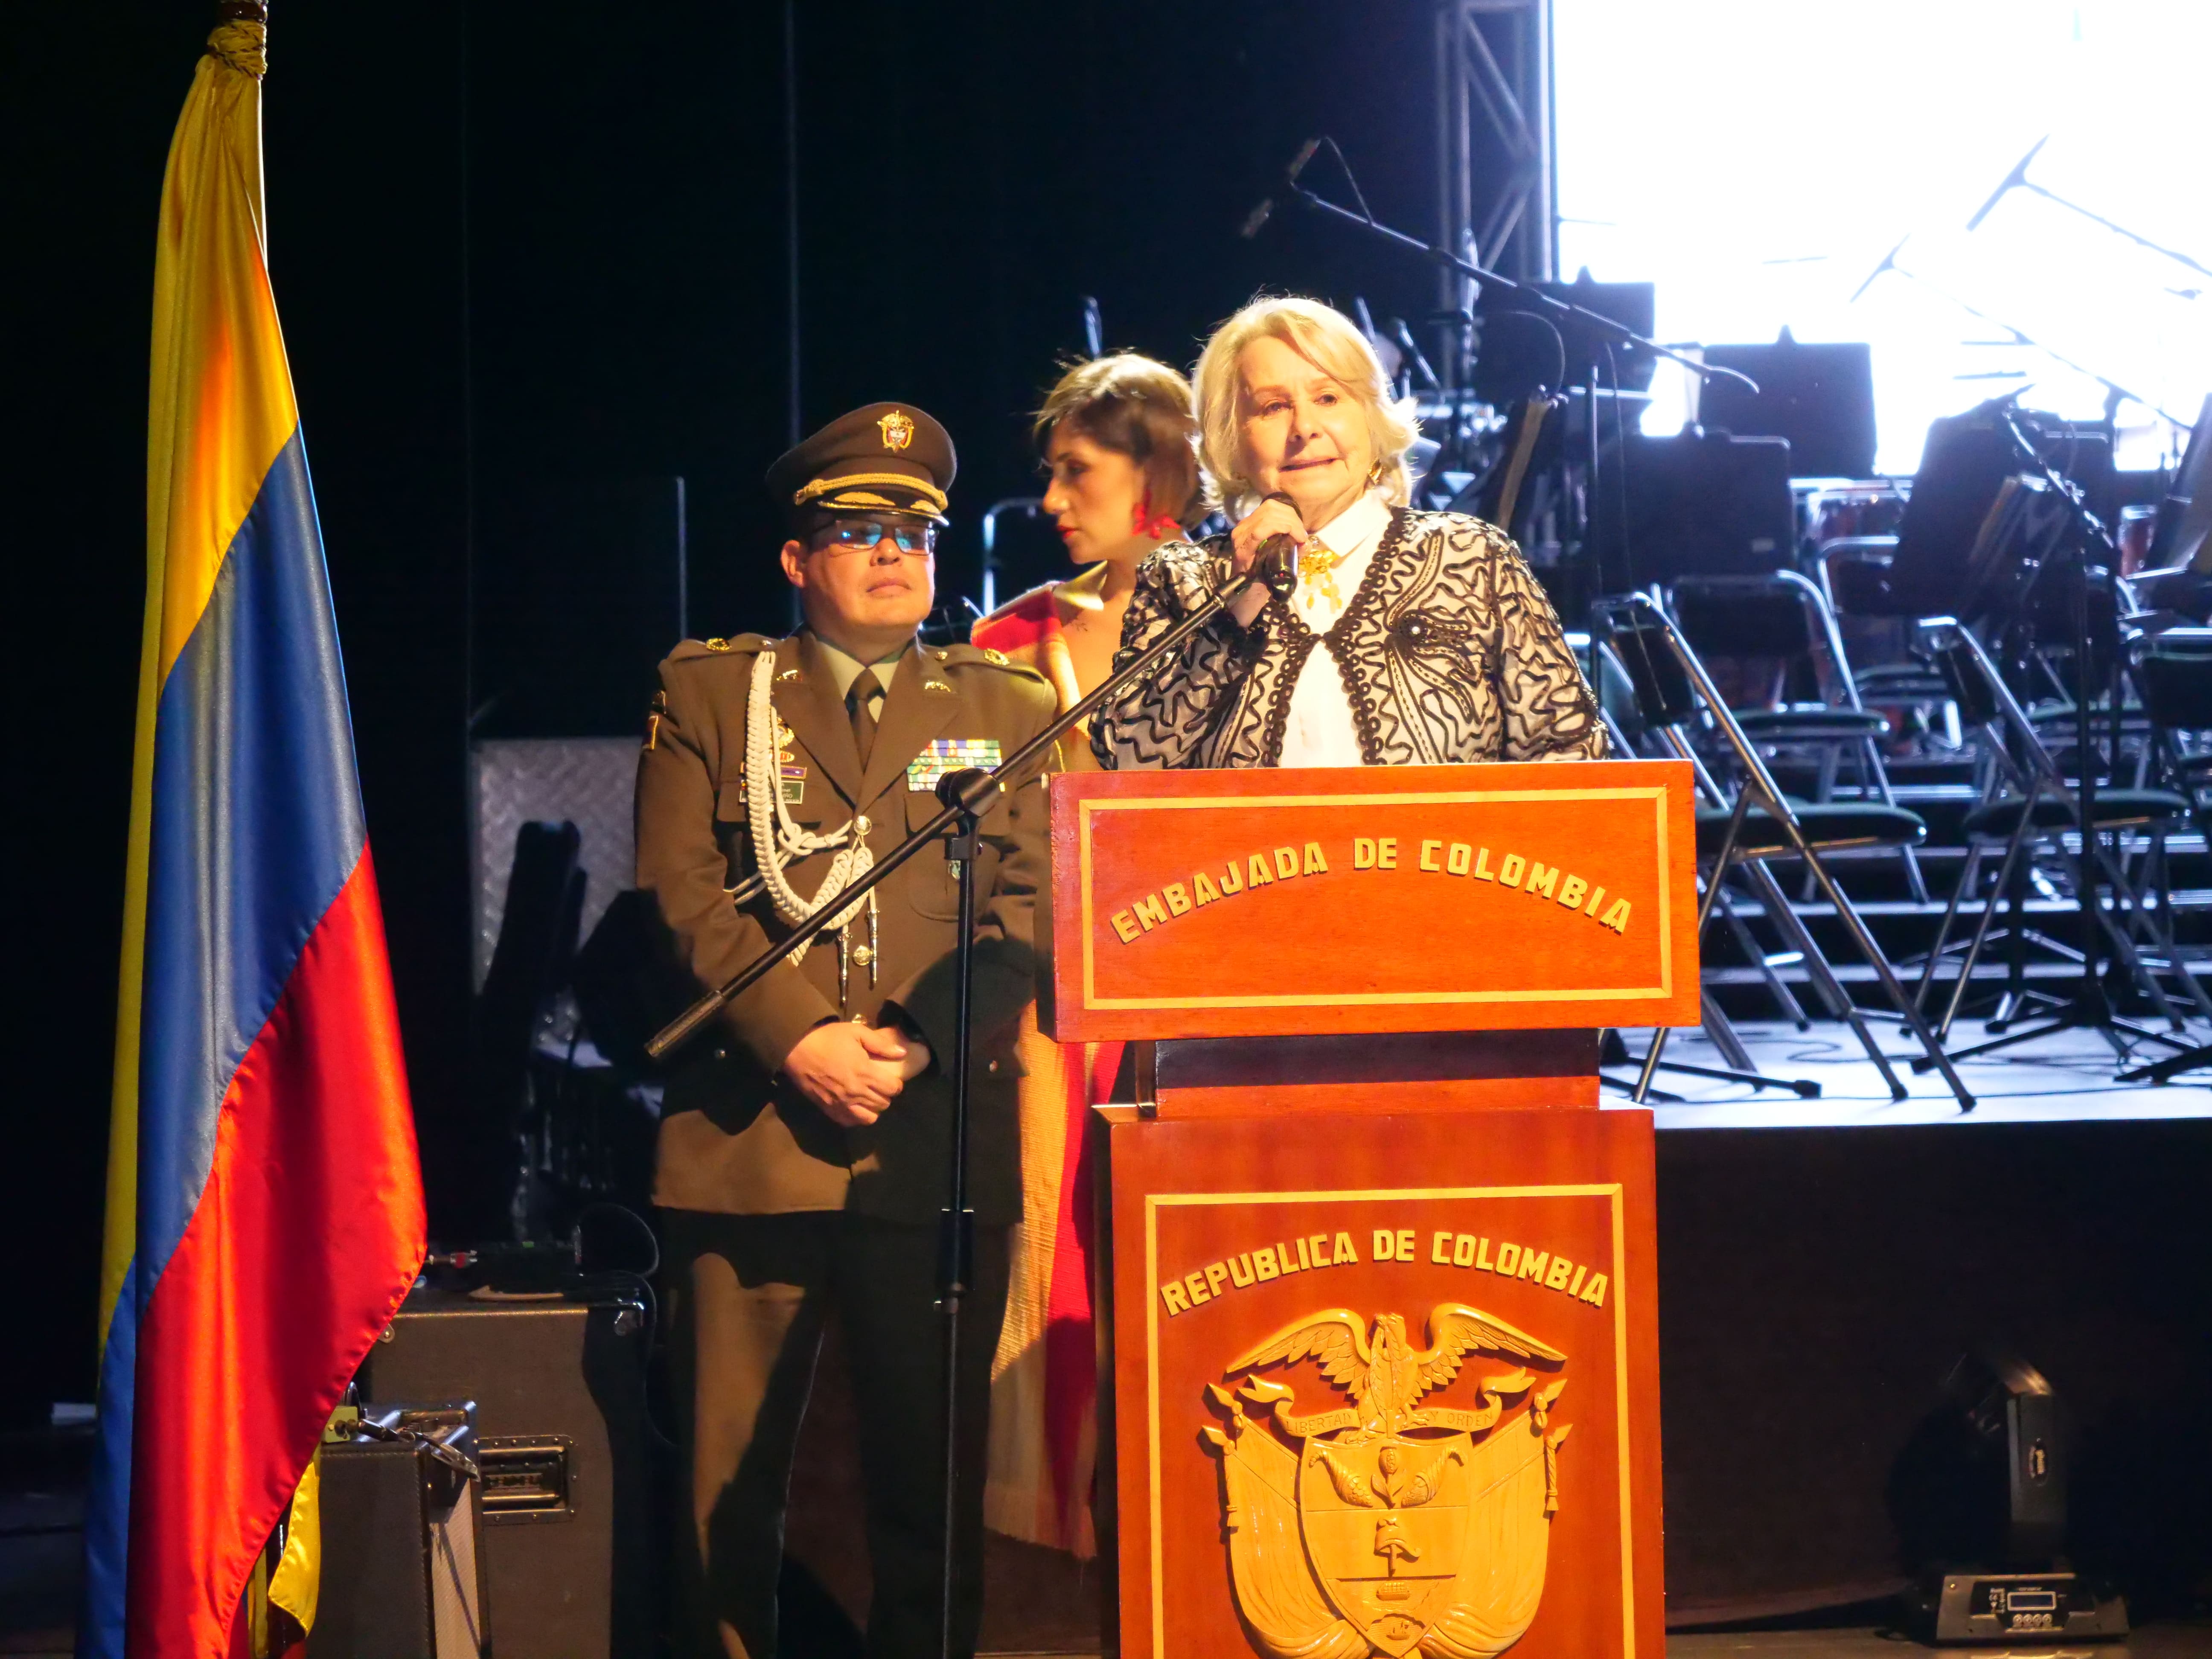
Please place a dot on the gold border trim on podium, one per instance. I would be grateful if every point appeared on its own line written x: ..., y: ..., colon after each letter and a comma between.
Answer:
x: 1614, y: 1191
x: 1656, y: 795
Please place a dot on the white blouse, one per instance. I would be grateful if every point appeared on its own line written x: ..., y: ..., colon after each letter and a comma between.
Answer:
x: 1320, y: 731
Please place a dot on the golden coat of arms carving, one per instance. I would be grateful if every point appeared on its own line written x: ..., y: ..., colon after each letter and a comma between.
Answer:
x: 1386, y: 1526
x: 897, y: 428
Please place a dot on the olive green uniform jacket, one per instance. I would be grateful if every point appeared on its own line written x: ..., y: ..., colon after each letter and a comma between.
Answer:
x: 735, y: 1136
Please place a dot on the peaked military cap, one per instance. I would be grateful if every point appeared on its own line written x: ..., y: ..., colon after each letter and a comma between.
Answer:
x: 885, y: 457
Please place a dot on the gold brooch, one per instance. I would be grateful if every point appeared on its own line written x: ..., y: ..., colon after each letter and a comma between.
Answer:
x: 1318, y: 564
x: 897, y: 428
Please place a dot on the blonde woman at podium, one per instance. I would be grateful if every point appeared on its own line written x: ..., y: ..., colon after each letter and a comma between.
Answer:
x: 1413, y: 638
x: 1120, y: 441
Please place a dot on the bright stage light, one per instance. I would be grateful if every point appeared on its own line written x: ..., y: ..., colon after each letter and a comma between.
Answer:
x: 1757, y: 158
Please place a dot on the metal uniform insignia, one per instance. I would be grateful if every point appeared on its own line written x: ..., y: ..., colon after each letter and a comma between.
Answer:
x: 1423, y: 1527
x: 791, y: 775
x: 897, y: 428
x: 942, y: 756
x: 652, y: 719
x: 718, y: 644
x: 996, y: 658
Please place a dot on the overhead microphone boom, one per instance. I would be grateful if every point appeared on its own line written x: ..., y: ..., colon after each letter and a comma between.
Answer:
x: 1889, y: 263
x: 1260, y: 215
x: 2013, y: 182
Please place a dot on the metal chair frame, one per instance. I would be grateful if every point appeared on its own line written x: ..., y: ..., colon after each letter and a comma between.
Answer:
x: 1838, y: 689
x: 1885, y: 678
x: 2020, y: 754
x: 1741, y: 1067
x: 1760, y: 788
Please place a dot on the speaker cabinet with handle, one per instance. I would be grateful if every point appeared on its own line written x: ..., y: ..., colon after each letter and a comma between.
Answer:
x: 402, y: 1530
x: 559, y: 1389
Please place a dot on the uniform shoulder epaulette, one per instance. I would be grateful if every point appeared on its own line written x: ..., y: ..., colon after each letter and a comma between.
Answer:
x: 744, y: 645
x: 982, y: 656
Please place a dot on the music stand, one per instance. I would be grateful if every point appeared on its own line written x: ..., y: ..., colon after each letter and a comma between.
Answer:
x: 1820, y: 397
x: 2081, y: 534
x: 2183, y: 536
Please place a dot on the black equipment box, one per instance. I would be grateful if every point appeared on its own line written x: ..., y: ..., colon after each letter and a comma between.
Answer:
x: 559, y: 1387
x: 1526, y: 345
x: 402, y: 1532
x: 1820, y: 397
x: 1967, y: 545
x: 2004, y: 1606
x: 1698, y: 504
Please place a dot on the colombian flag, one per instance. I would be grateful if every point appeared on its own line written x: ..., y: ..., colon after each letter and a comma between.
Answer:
x: 265, y: 1208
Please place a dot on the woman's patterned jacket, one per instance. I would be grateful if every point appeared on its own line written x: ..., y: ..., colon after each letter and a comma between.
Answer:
x: 1448, y: 651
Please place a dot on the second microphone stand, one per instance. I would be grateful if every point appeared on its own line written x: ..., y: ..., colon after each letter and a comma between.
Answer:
x: 967, y: 796
x: 1609, y: 330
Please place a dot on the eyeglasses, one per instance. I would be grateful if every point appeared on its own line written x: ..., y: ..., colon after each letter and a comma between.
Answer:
x: 864, y: 535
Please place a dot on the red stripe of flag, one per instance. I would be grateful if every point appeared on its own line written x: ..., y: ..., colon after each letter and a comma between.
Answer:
x: 313, y: 1199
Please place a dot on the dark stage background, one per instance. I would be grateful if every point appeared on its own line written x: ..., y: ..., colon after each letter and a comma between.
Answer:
x: 524, y: 245
x: 521, y: 249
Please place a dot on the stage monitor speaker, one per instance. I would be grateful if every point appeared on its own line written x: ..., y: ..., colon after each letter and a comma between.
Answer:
x: 403, y: 1575
x: 562, y: 1436
x: 1820, y: 397
x: 1697, y: 504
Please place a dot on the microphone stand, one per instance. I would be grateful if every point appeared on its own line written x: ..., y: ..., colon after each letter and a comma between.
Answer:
x: 2114, y: 393
x: 2090, y: 1006
x: 2018, y: 180
x: 1619, y: 332
x: 967, y: 796
x: 1554, y: 309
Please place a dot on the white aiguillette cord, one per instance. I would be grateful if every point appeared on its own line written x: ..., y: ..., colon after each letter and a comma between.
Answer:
x: 777, y: 840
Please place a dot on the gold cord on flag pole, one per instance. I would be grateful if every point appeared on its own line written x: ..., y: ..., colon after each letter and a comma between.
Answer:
x: 240, y: 40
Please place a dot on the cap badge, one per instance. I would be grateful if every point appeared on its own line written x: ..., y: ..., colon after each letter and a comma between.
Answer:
x: 897, y: 429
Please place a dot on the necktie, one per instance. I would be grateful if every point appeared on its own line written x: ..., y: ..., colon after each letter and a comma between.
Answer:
x: 860, y: 701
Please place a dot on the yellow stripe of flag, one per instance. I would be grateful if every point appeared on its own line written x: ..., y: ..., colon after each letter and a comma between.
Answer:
x: 221, y: 410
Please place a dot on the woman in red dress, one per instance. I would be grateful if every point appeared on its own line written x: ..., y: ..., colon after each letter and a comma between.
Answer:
x: 1119, y: 437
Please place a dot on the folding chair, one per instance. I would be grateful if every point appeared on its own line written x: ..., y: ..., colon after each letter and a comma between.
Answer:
x: 1854, y: 571
x: 1761, y: 823
x: 2173, y: 675
x: 1624, y: 728
x: 2032, y: 807
x: 1783, y: 615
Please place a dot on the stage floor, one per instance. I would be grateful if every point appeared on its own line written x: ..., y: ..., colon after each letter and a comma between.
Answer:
x: 2063, y: 1078
x: 2189, y: 1640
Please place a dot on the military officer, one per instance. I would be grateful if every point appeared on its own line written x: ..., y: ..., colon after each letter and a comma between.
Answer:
x: 803, y: 1140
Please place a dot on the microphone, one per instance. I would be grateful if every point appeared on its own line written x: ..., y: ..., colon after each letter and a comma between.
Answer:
x: 1260, y: 215
x: 2013, y: 180
x: 1888, y: 263
x: 1276, y: 563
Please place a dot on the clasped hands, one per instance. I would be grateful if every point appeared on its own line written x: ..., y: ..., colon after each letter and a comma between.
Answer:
x: 853, y: 1072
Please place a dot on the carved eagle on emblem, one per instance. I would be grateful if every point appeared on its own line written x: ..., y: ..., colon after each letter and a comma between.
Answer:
x: 1385, y: 1373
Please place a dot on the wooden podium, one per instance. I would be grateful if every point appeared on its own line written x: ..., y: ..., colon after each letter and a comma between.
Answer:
x: 1379, y: 1347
